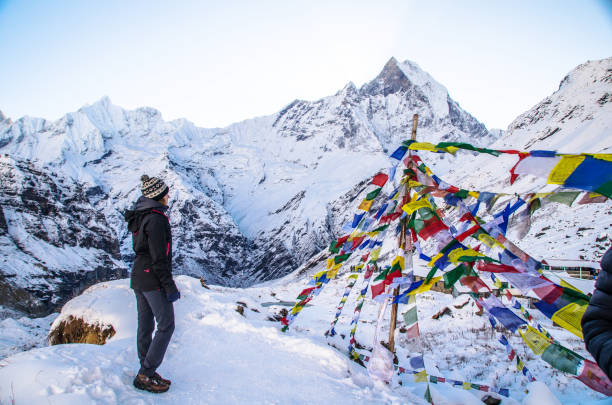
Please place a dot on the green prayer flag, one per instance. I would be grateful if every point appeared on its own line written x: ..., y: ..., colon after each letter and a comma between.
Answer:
x: 428, y: 394
x: 381, y: 228
x: 431, y: 273
x: 411, y: 316
x: 605, y: 189
x: 341, y: 258
x: 534, y: 206
x: 461, y: 194
x: 382, y: 276
x: 372, y: 194
x: 426, y: 213
x: 451, y: 277
x: 562, y: 358
x: 333, y: 248
x: 563, y: 197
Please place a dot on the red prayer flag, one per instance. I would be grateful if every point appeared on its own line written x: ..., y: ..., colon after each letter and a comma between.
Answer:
x: 496, y: 268
x: 509, y: 295
x: 452, y: 189
x: 511, y: 355
x: 380, y: 179
x: 306, y: 291
x: 390, y: 276
x: 468, y: 217
x: 474, y: 283
x: 378, y: 289
x: 357, y: 242
x: 413, y: 331
x: 341, y: 240
x: 431, y: 227
x: 514, y: 176
x: 593, y: 377
x: 364, y: 258
x: 549, y: 293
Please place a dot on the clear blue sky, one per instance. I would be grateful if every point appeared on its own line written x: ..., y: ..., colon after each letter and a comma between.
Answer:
x: 220, y: 62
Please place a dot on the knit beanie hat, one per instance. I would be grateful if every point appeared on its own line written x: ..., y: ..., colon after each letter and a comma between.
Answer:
x: 153, y: 188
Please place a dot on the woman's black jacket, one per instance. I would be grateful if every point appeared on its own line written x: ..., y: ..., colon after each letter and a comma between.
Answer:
x: 152, y: 243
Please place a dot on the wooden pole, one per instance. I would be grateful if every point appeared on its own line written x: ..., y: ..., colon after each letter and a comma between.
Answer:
x: 405, y: 243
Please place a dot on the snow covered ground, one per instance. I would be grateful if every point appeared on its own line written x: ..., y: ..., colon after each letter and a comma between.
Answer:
x: 218, y: 356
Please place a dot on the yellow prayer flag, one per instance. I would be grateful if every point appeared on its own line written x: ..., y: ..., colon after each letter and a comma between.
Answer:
x: 488, y: 240
x: 564, y: 169
x: 374, y: 254
x: 359, y: 267
x: 451, y: 149
x: 467, y: 385
x: 399, y: 260
x: 434, y: 259
x: 474, y: 194
x: 365, y: 205
x: 536, y: 341
x: 413, y: 183
x: 569, y: 317
x: 353, y: 277
x: 602, y: 156
x: 372, y: 234
x: 423, y: 146
x: 412, y: 206
x: 330, y: 263
x: 568, y: 285
x: 334, y: 271
x: 425, y: 286
x: 455, y: 254
x: 421, y: 376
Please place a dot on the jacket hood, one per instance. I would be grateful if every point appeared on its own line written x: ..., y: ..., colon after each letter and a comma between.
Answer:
x: 141, y: 207
x: 144, y: 203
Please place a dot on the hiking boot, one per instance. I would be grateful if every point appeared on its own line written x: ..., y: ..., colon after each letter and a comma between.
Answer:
x: 161, y: 379
x: 151, y: 384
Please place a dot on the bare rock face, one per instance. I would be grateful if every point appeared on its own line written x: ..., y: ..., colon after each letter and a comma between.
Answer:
x: 75, y: 330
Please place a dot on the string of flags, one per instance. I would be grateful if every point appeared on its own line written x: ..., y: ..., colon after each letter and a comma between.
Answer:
x: 357, y: 311
x: 352, y: 279
x: 586, y: 171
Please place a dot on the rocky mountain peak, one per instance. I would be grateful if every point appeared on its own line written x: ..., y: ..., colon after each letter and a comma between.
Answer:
x: 391, y: 79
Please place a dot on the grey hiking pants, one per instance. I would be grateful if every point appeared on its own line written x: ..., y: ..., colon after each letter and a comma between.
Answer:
x: 153, y: 307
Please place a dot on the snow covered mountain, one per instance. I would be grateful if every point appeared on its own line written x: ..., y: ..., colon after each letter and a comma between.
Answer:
x: 248, y: 202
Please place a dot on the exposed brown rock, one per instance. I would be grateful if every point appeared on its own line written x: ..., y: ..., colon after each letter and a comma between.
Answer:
x: 75, y: 330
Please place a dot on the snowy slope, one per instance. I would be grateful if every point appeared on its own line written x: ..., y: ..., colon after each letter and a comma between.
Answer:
x: 249, y: 202
x: 218, y: 356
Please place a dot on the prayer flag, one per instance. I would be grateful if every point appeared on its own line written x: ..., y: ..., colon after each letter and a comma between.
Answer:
x: 373, y: 194
x: 451, y: 277
x: 380, y: 179
x: 399, y: 153
x: 365, y: 205
x: 378, y: 289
